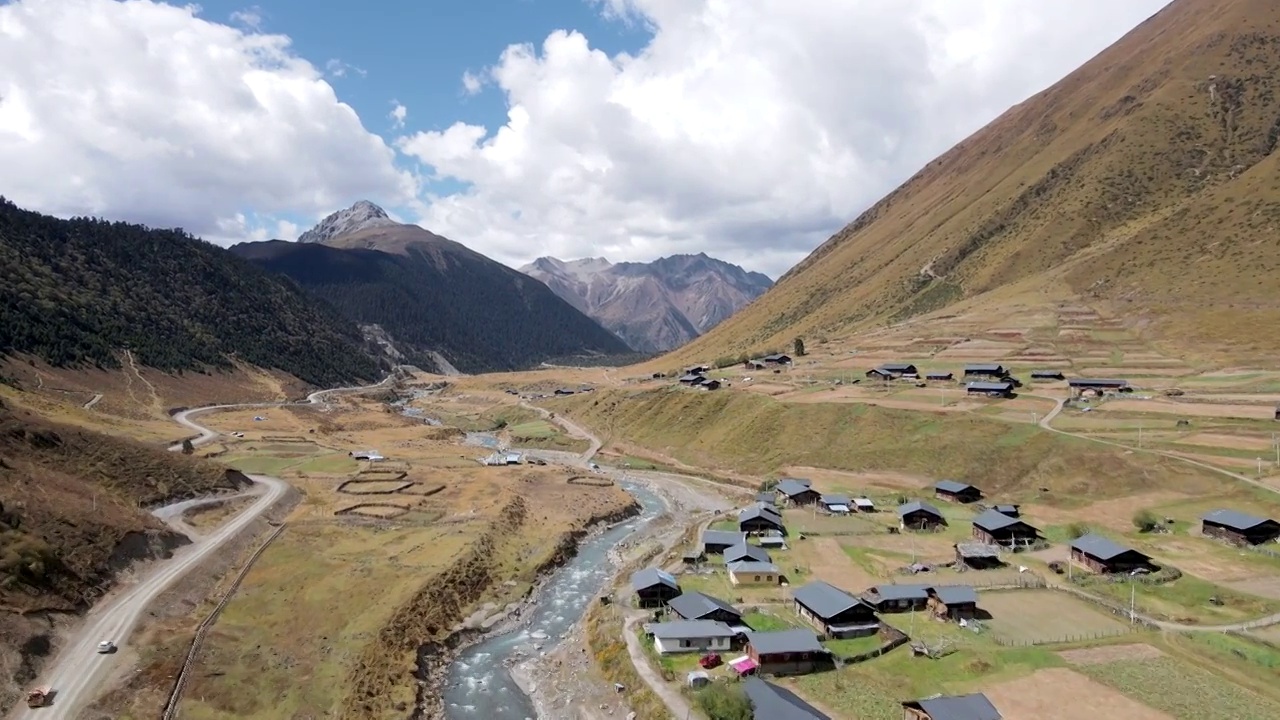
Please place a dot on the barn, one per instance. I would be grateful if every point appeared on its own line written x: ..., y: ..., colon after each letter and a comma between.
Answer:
x: 990, y: 388
x: 1107, y: 557
x: 996, y: 528
x: 956, y: 491
x: 760, y: 519
x: 835, y: 612
x: 654, y: 587
x: 1239, y: 528
x: 985, y: 370
x: 917, y: 515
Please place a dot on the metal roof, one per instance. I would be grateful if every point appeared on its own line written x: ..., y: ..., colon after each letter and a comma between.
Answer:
x: 695, y: 379
x: 993, y: 520
x: 956, y: 594
x: 691, y: 629
x: 1007, y: 509
x: 793, y: 486
x: 836, y: 500
x: 744, y: 551
x: 977, y: 550
x: 1001, y: 386
x: 915, y: 505
x: 1233, y: 519
x: 863, y: 502
x: 760, y: 511
x: 824, y: 599
x: 953, y: 486
x: 781, y: 641
x: 1094, y: 382
x: 1100, y: 547
x: 1046, y: 373
x: 753, y: 566
x: 728, y: 538
x: 899, y: 592
x: 938, y: 374
x: 959, y: 707
x: 897, y: 367
x: 984, y: 367
x: 694, y: 605
x: 770, y: 702
x: 649, y: 577
x: 765, y: 498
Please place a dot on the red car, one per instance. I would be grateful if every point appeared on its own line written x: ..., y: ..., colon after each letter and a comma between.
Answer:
x: 709, y: 661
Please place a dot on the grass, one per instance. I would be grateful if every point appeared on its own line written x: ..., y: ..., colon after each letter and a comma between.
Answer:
x: 747, y: 433
x: 278, y: 652
x: 1182, y: 690
x: 761, y: 621
x: 1186, y: 600
x: 853, y: 646
x: 260, y: 464
x: 1042, y: 616
x: 335, y: 464
x: 1263, y: 655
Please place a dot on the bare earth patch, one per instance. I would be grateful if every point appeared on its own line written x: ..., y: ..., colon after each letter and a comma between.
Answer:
x: 1111, y: 653
x: 1235, y: 442
x: 1268, y: 587
x: 1062, y: 694
x: 1116, y: 514
x: 766, y: 388
x: 825, y: 479
x: 1250, y: 412
x: 828, y: 561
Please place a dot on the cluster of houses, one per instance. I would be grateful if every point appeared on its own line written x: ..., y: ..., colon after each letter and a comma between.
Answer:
x: 994, y: 379
x: 696, y: 377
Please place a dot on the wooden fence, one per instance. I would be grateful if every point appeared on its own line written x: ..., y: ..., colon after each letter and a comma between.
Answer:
x: 180, y: 682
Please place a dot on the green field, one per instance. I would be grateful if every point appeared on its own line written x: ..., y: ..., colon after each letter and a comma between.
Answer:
x: 1182, y: 690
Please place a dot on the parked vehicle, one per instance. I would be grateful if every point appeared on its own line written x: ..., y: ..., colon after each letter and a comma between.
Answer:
x: 39, y: 697
x: 105, y: 647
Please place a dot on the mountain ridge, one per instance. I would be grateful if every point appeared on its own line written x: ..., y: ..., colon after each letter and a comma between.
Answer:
x: 654, y: 306
x: 1133, y: 183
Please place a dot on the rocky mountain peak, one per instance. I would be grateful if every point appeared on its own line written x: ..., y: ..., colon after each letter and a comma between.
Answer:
x: 360, y: 216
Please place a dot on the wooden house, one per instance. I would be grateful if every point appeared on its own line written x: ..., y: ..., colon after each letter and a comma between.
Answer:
x: 990, y: 388
x: 1047, y: 375
x: 835, y: 612
x: 889, y: 598
x: 741, y: 552
x: 1104, y: 556
x: 956, y: 491
x: 939, y: 376
x: 797, y: 491
x: 952, y: 602
x: 761, y: 519
x: 978, y: 556
x: 917, y: 515
x: 772, y: 702
x: 1239, y: 528
x: 654, y: 587
x: 715, y: 542
x: 996, y: 528
x: 787, y: 652
x: 694, y: 605
x: 953, y: 707
x: 994, y: 371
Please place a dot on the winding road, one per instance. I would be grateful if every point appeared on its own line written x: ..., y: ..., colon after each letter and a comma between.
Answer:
x: 78, y: 671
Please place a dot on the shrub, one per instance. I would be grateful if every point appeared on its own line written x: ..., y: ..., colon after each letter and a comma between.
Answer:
x: 721, y: 701
x: 1078, y: 530
x: 1145, y: 520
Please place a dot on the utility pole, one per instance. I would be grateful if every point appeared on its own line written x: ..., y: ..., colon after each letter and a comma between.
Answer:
x: 1259, y: 467
x: 1133, y: 597
x: 1139, y: 437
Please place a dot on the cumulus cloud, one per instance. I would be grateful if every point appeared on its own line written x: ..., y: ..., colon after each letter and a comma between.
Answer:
x: 398, y: 114
x: 250, y: 17
x: 472, y: 83
x: 339, y: 69
x: 140, y: 110
x: 746, y: 130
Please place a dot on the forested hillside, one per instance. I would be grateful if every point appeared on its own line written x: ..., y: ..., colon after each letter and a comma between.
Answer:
x: 81, y: 290
x: 433, y: 294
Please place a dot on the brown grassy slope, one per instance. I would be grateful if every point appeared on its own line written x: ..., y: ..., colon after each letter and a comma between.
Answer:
x: 745, y: 432
x: 1146, y: 178
x: 73, y: 511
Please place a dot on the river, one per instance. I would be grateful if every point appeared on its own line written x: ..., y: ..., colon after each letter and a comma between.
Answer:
x: 479, y: 685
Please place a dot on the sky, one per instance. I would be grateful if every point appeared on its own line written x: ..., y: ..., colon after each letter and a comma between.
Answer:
x: 628, y: 129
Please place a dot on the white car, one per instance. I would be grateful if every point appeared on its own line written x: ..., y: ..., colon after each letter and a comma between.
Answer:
x: 105, y: 647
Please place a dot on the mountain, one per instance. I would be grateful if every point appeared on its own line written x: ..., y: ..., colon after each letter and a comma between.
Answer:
x: 654, y: 306
x: 80, y: 290
x: 1146, y: 183
x: 361, y: 216
x: 433, y: 295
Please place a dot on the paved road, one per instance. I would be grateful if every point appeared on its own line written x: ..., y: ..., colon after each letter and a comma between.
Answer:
x: 78, y: 670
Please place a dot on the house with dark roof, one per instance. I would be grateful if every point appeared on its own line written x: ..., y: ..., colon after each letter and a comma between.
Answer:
x: 917, y: 515
x: 978, y: 556
x: 698, y: 370
x: 710, y: 385
x: 771, y: 702
x: 952, y: 602
x: 753, y: 365
x: 954, y: 707
x: 893, y: 371
x: 890, y: 598
x: 956, y: 491
x: 787, y: 652
x: 1098, y: 385
x: 1008, y: 509
x: 767, y: 498
x: 687, y: 636
x: 737, y: 553
x: 1239, y: 528
x: 1047, y: 375
x: 654, y: 587
x: 692, y: 380
x: 694, y: 605
x: 985, y: 370
x: 996, y: 528
x: 797, y: 491
x: 864, y: 505
x: 938, y: 375
x: 990, y: 388
x: 715, y: 542
x: 754, y: 572
x: 759, y: 519
x: 837, y: 504
x: 777, y: 359
x: 772, y: 542
x: 835, y: 612
x: 1104, y: 556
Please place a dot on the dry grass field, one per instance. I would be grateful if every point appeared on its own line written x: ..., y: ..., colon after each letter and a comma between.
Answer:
x: 1042, y: 616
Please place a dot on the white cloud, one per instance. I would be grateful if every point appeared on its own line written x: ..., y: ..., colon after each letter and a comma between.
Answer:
x: 339, y: 69
x: 250, y: 17
x: 398, y: 113
x: 141, y: 111
x: 750, y: 130
x: 472, y: 83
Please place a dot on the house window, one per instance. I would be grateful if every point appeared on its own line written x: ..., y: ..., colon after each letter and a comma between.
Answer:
x: 757, y: 578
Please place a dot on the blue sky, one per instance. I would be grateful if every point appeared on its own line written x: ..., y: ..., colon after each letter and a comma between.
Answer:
x: 416, y: 53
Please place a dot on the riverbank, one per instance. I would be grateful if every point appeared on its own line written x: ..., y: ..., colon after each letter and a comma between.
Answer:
x: 562, y: 682
x: 437, y: 660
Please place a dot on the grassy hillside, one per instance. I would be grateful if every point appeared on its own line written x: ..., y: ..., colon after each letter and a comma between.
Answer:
x: 748, y: 433
x: 76, y: 292
x: 1146, y: 181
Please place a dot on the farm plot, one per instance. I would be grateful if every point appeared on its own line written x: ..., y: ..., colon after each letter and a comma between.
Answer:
x: 811, y: 523
x: 1032, y: 617
x: 1217, y: 410
x: 1182, y: 690
x: 1063, y: 694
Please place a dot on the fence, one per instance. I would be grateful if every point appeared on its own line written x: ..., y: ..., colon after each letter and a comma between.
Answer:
x: 1025, y: 580
x: 1071, y: 638
x: 180, y: 682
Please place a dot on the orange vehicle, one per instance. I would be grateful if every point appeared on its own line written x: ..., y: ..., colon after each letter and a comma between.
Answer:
x: 39, y: 697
